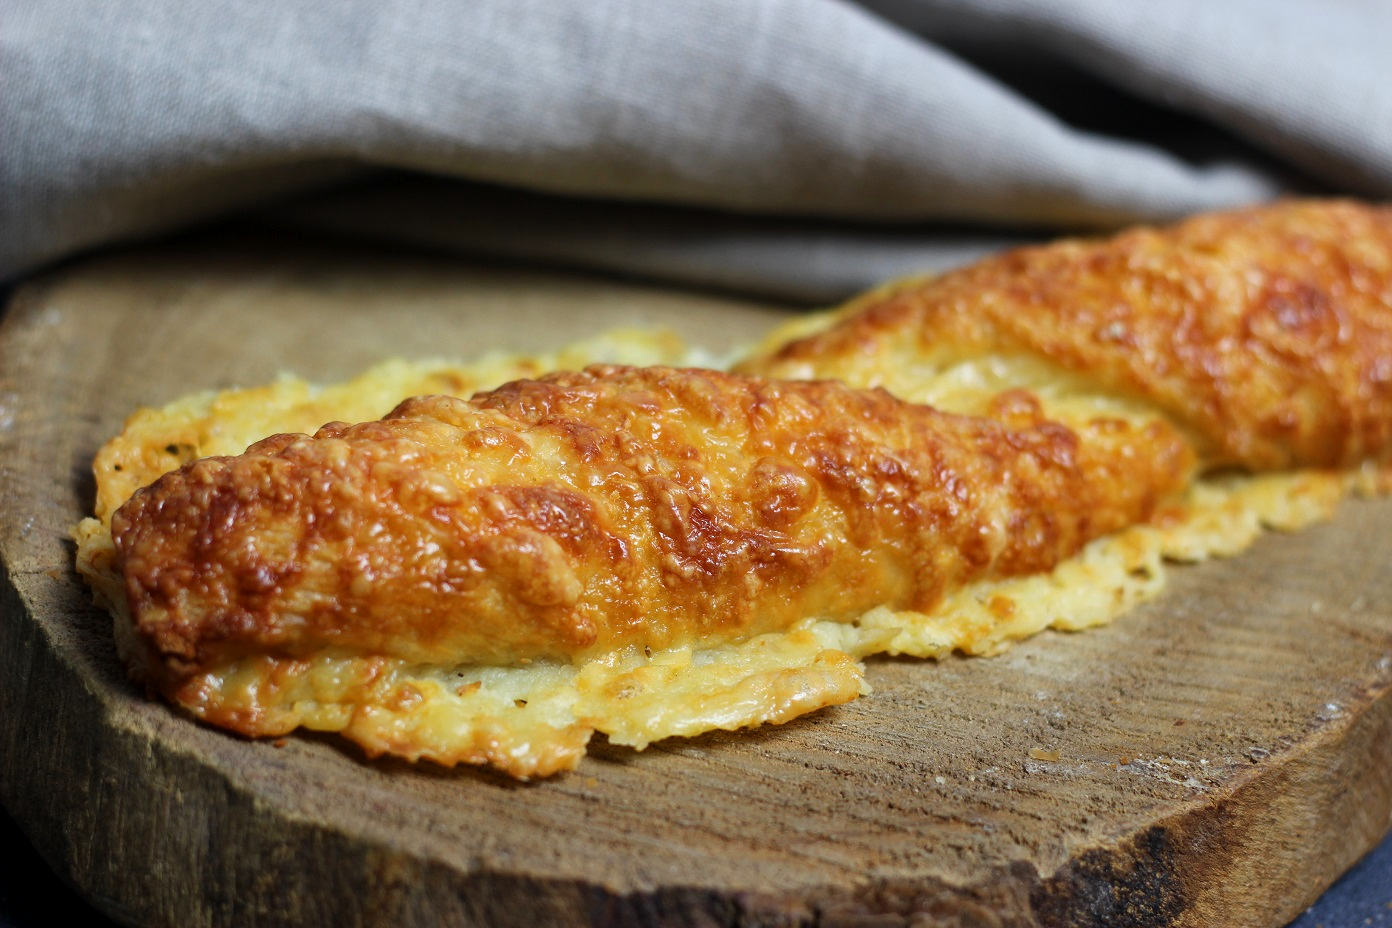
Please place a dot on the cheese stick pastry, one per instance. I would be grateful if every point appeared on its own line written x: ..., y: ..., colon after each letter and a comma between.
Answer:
x: 1264, y: 334
x: 569, y: 516
x: 572, y: 517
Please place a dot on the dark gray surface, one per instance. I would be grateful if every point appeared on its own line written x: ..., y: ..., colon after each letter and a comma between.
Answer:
x: 1362, y: 897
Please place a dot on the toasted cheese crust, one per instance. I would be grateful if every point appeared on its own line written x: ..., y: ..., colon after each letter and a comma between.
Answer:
x: 1265, y: 333
x: 587, y: 512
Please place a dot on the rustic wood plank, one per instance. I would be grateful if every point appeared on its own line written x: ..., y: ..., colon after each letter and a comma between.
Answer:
x: 1224, y: 753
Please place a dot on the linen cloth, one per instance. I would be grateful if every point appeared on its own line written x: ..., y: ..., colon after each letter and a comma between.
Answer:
x: 802, y: 148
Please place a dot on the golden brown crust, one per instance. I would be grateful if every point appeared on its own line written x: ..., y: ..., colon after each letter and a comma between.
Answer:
x: 1265, y: 332
x: 579, y: 513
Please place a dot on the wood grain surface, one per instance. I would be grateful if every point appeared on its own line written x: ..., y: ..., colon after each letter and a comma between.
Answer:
x: 1222, y: 754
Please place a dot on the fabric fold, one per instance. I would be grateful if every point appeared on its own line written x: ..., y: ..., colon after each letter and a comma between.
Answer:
x: 128, y: 120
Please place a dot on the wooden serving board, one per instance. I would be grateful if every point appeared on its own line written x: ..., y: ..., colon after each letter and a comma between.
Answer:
x: 1222, y: 754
